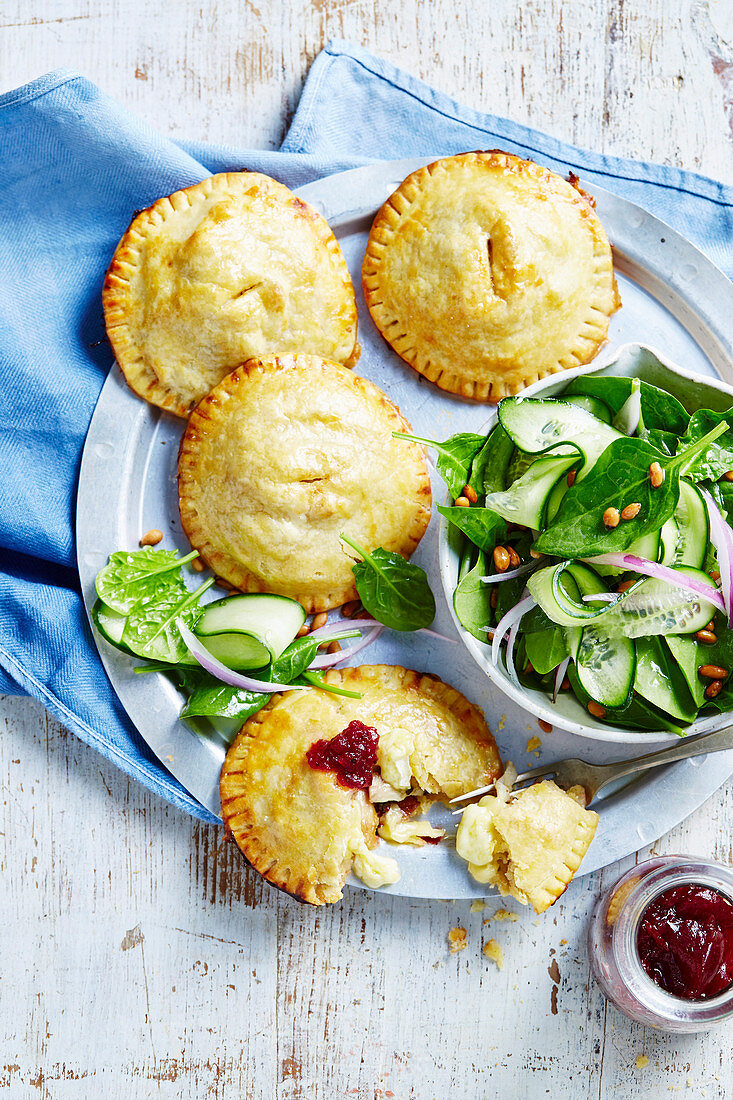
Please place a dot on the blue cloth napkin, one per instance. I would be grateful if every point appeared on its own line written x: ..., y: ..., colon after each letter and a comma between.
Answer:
x: 75, y: 166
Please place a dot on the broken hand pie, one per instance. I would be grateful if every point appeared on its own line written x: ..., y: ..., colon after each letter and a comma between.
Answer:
x: 486, y: 272
x: 298, y: 825
x: 283, y: 456
x: 233, y: 267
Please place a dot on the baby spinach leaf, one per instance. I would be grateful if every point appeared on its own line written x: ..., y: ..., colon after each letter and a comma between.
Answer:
x: 666, y: 442
x: 722, y: 494
x: 489, y: 467
x: 718, y: 458
x: 129, y: 576
x: 294, y: 660
x: 217, y: 700
x: 393, y: 591
x: 472, y: 600
x: 455, y: 457
x: 619, y: 477
x: 482, y: 526
x: 150, y: 629
x: 659, y: 409
x: 546, y: 649
x: 316, y: 679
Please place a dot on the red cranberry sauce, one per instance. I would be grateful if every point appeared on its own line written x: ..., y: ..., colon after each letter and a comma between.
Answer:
x: 351, y: 754
x: 685, y: 942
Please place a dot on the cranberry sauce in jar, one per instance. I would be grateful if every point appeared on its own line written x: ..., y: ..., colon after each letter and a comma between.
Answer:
x: 660, y: 943
x: 351, y: 754
x: 685, y: 941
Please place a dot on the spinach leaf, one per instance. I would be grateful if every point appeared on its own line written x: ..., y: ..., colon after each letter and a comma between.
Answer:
x: 219, y: 700
x: 666, y: 442
x: 717, y: 459
x: 659, y: 409
x: 490, y: 466
x: 546, y: 649
x: 472, y: 600
x: 482, y: 526
x: 619, y: 477
x: 294, y: 660
x: 316, y: 679
x: 536, y: 621
x: 150, y: 628
x: 393, y: 591
x: 129, y: 576
x: 722, y: 494
x: 455, y: 457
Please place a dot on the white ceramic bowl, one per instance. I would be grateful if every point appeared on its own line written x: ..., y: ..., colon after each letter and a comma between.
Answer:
x: 695, y: 392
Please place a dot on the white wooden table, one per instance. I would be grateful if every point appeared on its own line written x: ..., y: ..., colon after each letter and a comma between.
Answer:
x: 139, y: 957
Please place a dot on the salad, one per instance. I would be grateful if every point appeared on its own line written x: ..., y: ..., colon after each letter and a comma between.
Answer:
x: 596, y: 549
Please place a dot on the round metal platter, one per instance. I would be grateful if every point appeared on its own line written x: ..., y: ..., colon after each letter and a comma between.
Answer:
x: 673, y: 298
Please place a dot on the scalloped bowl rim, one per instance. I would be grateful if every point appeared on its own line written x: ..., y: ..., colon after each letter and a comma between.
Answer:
x: 536, y: 702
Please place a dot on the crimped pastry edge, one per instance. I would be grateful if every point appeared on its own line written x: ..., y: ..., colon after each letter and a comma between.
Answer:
x: 224, y: 565
x: 407, y: 345
x: 119, y: 310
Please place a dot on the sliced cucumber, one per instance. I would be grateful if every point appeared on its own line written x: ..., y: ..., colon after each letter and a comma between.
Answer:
x: 536, y: 425
x: 525, y: 501
x: 110, y: 625
x: 555, y: 499
x: 246, y: 632
x: 686, y: 652
x: 668, y: 540
x: 660, y: 681
x: 593, y: 405
x: 691, y: 517
x: 606, y: 666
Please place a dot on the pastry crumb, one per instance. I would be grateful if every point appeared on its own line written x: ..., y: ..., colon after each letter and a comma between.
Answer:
x: 477, y: 906
x: 457, y: 940
x: 493, y: 951
x: 533, y: 744
x: 502, y: 914
x: 642, y: 1061
x: 502, y: 722
x: 563, y: 942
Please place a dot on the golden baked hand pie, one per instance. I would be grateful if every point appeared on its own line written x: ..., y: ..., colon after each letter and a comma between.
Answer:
x: 231, y: 268
x: 279, y: 459
x: 296, y: 824
x: 529, y: 846
x: 486, y: 272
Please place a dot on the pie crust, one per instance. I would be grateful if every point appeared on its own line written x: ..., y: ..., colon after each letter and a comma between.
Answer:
x: 233, y: 267
x: 283, y: 456
x: 486, y: 272
x: 529, y: 846
x: 296, y: 825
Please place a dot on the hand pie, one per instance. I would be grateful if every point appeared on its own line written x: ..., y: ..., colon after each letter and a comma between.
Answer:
x: 529, y: 846
x: 296, y: 824
x: 231, y: 268
x: 283, y: 456
x: 486, y: 272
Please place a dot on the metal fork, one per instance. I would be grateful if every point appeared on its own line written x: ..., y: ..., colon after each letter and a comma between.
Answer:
x: 593, y: 777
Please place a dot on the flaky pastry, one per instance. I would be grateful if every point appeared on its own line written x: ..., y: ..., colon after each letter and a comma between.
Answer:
x: 530, y: 845
x: 297, y: 825
x: 233, y: 267
x: 283, y: 456
x: 486, y: 272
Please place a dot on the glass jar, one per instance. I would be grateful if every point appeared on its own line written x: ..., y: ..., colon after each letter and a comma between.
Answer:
x: 612, y: 944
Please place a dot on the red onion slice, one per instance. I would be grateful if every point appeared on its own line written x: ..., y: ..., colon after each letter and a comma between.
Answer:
x: 327, y: 660
x: 513, y: 615
x: 494, y: 578
x: 227, y: 675
x: 562, y: 668
x: 660, y: 573
x: 721, y: 537
x: 361, y: 624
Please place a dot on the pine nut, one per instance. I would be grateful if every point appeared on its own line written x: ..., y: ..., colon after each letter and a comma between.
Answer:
x: 711, y: 625
x: 461, y: 502
x: 706, y: 637
x: 493, y: 598
x: 611, y: 517
x: 631, y: 511
x: 714, y: 574
x: 571, y: 478
x: 565, y: 685
x: 319, y: 620
x: 625, y: 586
x: 470, y: 493
x: 305, y: 629
x: 536, y: 554
x: 713, y: 672
x: 713, y: 689
x: 501, y: 558
x: 528, y: 668
x: 335, y: 647
x: 152, y: 537
x: 544, y: 726
x: 198, y: 565
x: 596, y: 709
x: 656, y: 475
x: 514, y: 559
x: 728, y: 475
x: 348, y: 609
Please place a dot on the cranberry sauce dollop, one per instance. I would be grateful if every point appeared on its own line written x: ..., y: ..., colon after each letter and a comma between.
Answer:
x: 351, y: 754
x: 685, y: 942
